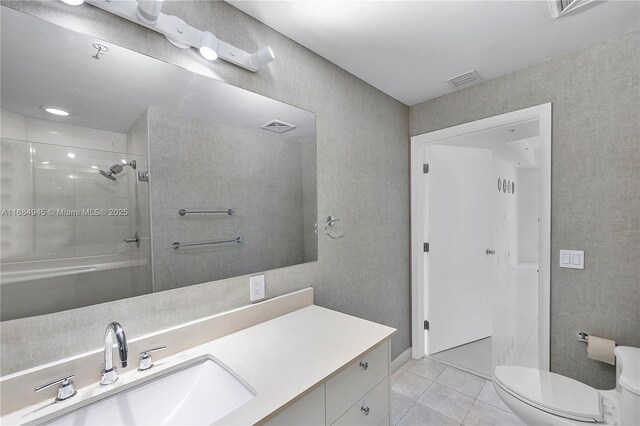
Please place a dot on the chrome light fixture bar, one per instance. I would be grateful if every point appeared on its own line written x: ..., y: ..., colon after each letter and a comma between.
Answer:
x: 147, y: 13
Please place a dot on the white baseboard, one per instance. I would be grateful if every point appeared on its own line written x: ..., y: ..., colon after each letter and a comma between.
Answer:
x: 400, y: 360
x: 459, y: 367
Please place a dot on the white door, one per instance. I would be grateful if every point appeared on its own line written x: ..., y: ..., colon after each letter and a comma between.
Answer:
x: 458, y: 230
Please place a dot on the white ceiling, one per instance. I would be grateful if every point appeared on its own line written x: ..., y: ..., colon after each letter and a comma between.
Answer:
x: 47, y: 65
x: 517, y: 145
x: 408, y: 49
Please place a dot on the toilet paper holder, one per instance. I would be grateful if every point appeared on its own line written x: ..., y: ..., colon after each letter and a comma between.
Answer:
x: 582, y: 337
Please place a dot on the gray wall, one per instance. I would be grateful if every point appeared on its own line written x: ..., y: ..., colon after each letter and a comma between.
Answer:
x: 363, y: 178
x: 199, y: 165
x: 595, y: 195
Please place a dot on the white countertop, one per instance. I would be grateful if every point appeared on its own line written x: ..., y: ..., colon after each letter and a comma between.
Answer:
x: 280, y: 359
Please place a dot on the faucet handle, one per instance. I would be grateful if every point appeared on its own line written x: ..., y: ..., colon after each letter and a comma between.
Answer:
x: 145, y: 358
x: 66, y: 389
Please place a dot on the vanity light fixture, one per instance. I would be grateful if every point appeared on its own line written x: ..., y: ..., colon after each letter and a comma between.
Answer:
x: 55, y: 111
x: 148, y: 14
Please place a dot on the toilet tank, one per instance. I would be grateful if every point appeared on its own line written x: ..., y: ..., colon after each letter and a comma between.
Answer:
x: 628, y: 384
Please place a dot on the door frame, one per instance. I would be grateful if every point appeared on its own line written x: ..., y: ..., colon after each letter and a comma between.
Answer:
x: 542, y: 113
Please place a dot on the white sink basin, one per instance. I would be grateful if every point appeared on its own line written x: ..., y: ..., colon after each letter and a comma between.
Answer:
x: 197, y: 393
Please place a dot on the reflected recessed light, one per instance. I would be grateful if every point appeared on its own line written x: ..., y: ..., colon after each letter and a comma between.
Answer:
x: 71, y: 155
x: 73, y: 2
x: 46, y: 162
x: 94, y: 167
x: 123, y: 161
x: 55, y: 111
x: 71, y: 176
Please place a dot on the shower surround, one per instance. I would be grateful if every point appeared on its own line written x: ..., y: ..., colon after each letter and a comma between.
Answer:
x: 71, y: 253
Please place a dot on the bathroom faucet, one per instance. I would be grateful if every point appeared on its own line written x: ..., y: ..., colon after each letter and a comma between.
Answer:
x: 109, y: 373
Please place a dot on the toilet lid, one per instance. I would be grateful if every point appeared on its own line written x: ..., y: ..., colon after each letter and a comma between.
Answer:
x: 550, y: 392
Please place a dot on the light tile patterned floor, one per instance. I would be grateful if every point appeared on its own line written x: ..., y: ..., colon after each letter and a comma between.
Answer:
x: 427, y: 393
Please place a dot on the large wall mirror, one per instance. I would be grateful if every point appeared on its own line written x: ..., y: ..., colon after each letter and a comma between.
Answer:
x: 123, y: 175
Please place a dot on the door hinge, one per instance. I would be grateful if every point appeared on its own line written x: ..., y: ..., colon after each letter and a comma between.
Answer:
x: 425, y: 168
x: 426, y: 247
x: 426, y: 324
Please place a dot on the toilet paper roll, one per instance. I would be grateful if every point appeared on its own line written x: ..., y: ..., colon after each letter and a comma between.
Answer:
x: 601, y: 349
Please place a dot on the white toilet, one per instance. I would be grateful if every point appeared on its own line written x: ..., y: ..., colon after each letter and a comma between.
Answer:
x: 543, y: 398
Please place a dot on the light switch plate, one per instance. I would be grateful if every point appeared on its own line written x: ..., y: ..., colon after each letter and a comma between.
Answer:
x: 573, y: 259
x: 256, y: 288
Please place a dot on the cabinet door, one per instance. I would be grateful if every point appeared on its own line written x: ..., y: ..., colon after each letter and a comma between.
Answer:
x: 308, y: 411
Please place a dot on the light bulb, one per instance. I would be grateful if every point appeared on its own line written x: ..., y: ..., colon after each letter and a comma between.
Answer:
x: 56, y: 111
x: 208, y: 46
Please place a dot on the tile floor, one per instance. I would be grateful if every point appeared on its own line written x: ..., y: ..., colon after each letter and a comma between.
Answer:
x: 427, y: 393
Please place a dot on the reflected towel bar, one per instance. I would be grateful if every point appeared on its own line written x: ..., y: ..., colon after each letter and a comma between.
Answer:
x: 183, y: 212
x: 177, y: 245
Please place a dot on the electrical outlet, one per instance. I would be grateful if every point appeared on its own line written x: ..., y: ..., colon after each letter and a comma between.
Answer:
x: 256, y: 288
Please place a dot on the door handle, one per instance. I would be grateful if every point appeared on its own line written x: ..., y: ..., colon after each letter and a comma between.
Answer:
x: 135, y: 239
x: 489, y: 251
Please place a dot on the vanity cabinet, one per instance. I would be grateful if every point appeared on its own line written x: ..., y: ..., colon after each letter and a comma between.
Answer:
x: 357, y: 395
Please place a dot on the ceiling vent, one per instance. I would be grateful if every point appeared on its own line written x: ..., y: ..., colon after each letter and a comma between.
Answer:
x: 565, y: 7
x: 466, y: 79
x: 278, y: 126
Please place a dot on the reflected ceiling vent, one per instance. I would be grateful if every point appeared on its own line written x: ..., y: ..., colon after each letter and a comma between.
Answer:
x: 566, y: 7
x: 278, y: 126
x: 466, y: 79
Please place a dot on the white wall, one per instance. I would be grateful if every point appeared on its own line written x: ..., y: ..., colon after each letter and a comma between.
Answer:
x: 528, y: 191
x: 504, y: 237
x: 505, y: 243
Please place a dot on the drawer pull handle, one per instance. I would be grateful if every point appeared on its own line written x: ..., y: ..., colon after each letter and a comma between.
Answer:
x: 364, y: 365
x: 365, y: 410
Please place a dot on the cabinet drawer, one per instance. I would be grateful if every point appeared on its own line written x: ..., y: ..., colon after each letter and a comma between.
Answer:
x: 352, y: 383
x: 373, y: 409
